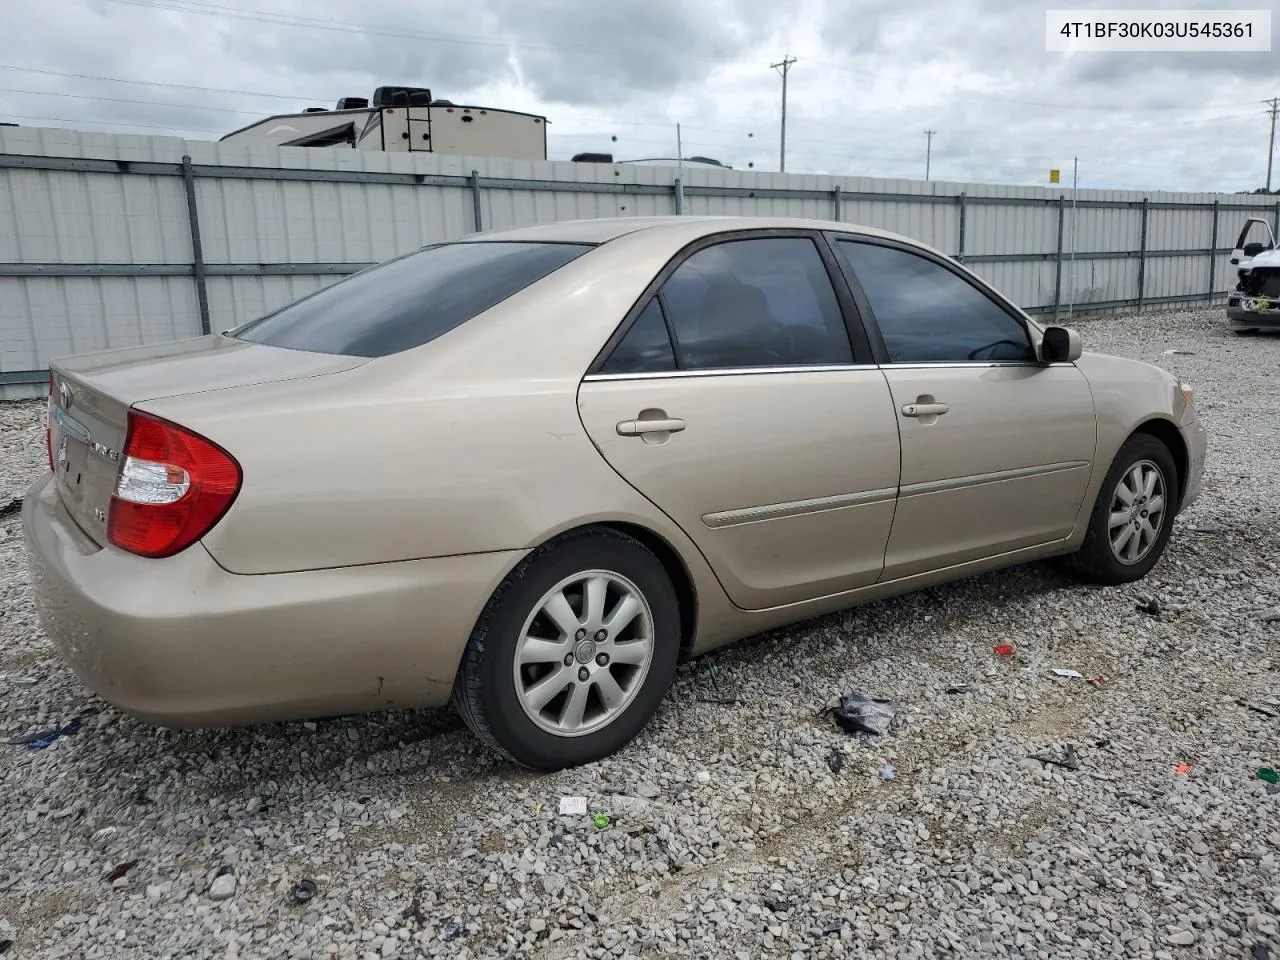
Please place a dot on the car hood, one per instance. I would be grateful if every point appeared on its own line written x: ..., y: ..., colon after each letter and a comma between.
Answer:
x: 1268, y: 258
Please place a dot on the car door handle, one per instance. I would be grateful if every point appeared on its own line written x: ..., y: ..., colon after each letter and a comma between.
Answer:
x: 924, y: 409
x: 634, y: 428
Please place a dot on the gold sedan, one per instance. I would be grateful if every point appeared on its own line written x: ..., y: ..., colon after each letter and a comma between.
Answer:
x: 531, y: 470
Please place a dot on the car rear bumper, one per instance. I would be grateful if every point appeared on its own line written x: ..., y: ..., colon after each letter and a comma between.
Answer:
x: 181, y: 642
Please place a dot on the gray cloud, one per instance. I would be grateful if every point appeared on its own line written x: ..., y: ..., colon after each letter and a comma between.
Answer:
x: 624, y: 48
x: 872, y: 75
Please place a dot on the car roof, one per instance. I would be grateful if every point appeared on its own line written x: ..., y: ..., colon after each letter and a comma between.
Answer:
x: 605, y: 229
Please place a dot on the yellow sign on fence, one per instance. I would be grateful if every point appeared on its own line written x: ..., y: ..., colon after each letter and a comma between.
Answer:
x: 1054, y: 176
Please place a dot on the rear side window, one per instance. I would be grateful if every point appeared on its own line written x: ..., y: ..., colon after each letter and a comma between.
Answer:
x: 411, y: 300
x: 646, y: 348
x: 753, y: 303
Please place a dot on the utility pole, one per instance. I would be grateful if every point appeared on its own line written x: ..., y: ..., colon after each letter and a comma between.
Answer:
x: 928, y: 151
x: 1274, y: 103
x: 783, y: 69
x: 1075, y: 184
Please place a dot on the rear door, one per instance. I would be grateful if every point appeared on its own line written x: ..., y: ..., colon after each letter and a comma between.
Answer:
x: 997, y: 448
x: 735, y: 400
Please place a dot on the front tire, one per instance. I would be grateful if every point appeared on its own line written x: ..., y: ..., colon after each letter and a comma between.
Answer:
x: 1133, y: 516
x: 573, y: 653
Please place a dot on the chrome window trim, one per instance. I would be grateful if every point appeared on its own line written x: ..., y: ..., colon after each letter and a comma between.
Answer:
x: 729, y: 372
x: 815, y: 368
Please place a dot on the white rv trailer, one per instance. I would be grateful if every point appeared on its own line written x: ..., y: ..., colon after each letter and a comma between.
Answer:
x: 405, y: 119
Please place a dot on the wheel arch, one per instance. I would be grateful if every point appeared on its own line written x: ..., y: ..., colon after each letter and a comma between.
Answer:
x: 1167, y: 432
x: 673, y: 564
x: 677, y: 572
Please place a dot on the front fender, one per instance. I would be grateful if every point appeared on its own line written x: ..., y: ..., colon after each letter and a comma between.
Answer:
x: 1129, y: 395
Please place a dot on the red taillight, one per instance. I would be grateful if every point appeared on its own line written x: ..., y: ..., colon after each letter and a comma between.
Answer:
x: 48, y: 423
x: 173, y: 487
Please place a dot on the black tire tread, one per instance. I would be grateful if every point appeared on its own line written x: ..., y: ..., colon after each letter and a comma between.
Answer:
x: 1087, y: 563
x: 467, y: 681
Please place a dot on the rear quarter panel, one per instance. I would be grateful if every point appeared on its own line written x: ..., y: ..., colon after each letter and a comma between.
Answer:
x: 470, y: 444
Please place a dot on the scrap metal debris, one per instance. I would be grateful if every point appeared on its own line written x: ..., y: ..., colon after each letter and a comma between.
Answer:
x: 120, y: 870
x: 713, y: 675
x: 1256, y: 709
x: 10, y: 508
x: 1069, y: 760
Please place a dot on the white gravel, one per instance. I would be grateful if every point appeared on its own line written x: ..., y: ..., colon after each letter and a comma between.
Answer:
x: 731, y: 835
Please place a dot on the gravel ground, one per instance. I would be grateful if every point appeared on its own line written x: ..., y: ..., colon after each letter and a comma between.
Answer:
x: 731, y: 834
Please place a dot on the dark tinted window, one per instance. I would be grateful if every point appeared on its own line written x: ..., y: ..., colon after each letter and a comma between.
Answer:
x: 926, y: 313
x: 411, y: 300
x: 752, y: 303
x: 646, y: 346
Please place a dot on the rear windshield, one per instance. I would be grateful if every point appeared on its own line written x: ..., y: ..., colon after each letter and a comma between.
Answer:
x: 409, y: 301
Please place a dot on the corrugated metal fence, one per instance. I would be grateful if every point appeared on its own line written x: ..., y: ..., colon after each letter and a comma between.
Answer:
x: 110, y: 241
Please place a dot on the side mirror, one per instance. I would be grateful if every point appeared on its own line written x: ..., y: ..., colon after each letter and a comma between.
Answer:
x: 1253, y: 249
x: 1060, y: 345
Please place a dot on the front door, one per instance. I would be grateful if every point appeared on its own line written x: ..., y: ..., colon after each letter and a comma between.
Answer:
x: 997, y: 448
x: 734, y: 403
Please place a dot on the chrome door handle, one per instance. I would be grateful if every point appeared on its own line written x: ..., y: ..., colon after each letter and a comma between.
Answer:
x: 924, y: 409
x: 634, y: 428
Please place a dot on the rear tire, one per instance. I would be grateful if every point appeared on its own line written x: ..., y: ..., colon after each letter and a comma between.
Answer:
x: 595, y: 622
x: 1245, y: 331
x: 1126, y: 535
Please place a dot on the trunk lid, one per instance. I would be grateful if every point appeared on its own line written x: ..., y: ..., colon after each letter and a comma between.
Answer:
x: 92, y: 394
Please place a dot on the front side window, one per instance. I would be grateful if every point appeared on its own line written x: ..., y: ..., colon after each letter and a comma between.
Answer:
x: 411, y: 300
x: 927, y: 314
x: 754, y: 303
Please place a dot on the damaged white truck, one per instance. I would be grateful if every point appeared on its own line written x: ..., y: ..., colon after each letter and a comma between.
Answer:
x: 1254, y: 303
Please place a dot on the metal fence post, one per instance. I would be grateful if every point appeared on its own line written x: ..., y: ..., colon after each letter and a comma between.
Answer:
x: 1213, y: 252
x: 963, y: 206
x: 835, y: 203
x: 197, y: 250
x: 475, y: 200
x: 1057, y: 283
x: 1142, y: 254
x: 677, y: 190
x: 1276, y: 225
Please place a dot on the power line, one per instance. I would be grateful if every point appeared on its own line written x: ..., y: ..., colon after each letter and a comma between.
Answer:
x: 783, y: 69
x: 1108, y: 108
x: 398, y: 32
x: 117, y: 123
x: 156, y: 83
x: 145, y: 103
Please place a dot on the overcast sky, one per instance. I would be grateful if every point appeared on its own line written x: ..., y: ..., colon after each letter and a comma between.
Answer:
x: 871, y: 76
